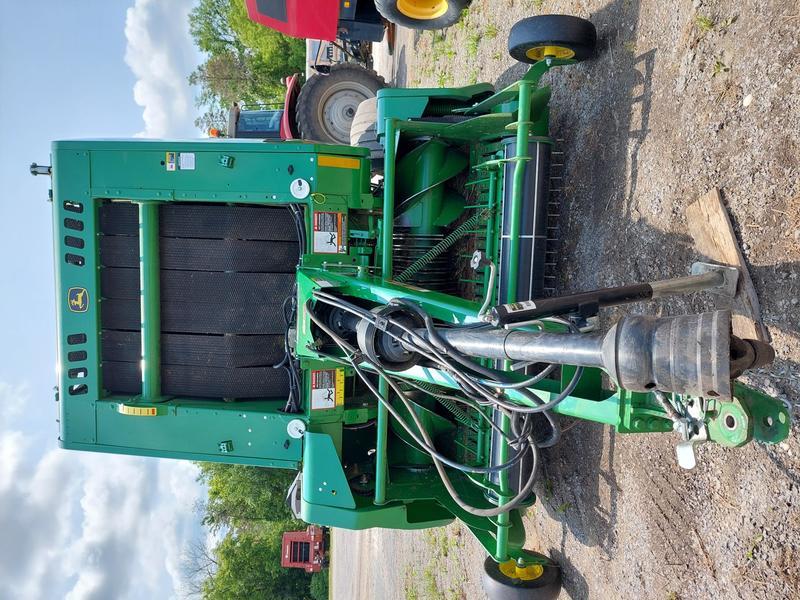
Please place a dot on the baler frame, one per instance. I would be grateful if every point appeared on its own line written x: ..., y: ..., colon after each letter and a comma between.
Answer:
x: 349, y: 477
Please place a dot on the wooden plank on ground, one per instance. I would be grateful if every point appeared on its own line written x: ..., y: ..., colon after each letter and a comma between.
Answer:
x: 710, y: 226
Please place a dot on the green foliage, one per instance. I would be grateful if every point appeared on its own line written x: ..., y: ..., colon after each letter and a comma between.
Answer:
x: 247, y: 505
x: 320, y: 585
x: 245, y: 61
x: 719, y: 68
x: 704, y: 23
x: 240, y: 496
x: 249, y: 568
x: 473, y: 41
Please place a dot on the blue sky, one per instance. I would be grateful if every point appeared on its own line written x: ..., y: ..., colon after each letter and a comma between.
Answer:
x: 79, y: 525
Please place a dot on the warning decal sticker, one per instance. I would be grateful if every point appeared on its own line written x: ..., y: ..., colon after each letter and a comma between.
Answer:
x: 327, y: 389
x: 330, y: 233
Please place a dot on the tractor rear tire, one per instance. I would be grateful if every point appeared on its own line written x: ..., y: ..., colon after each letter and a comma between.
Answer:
x: 554, y: 36
x: 364, y: 132
x: 498, y: 586
x: 327, y: 103
x: 422, y: 14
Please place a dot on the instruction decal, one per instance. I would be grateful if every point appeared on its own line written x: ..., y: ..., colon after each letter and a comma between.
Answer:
x: 171, y: 161
x: 186, y: 161
x: 330, y: 233
x: 327, y: 389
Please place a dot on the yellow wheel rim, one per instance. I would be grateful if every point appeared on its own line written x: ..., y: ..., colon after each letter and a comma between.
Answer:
x: 542, y: 52
x: 422, y: 10
x: 512, y: 570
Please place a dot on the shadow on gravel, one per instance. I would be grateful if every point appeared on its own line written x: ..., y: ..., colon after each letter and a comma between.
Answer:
x: 601, y: 110
x: 401, y: 69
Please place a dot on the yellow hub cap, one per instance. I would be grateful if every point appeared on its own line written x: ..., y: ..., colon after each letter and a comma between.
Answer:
x: 511, y: 569
x: 422, y: 10
x: 542, y: 52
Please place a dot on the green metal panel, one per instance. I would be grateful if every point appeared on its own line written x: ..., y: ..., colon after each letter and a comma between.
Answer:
x: 255, y: 429
x: 152, y: 172
x: 324, y: 482
x: 77, y: 288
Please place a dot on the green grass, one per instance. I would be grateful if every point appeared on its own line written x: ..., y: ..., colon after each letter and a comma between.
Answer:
x: 473, y: 41
x: 411, y: 593
x: 491, y: 31
x: 719, y: 68
x: 753, y: 545
x: 725, y: 23
x: 704, y: 23
x: 431, y: 586
x: 537, y: 4
x: 411, y: 577
x: 548, y: 489
x: 563, y: 507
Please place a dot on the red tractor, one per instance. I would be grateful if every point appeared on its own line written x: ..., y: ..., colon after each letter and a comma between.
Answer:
x: 323, y: 108
x: 352, y: 19
x: 305, y: 549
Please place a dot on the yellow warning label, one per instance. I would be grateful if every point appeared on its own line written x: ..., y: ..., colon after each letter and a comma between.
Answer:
x: 327, y: 389
x: 338, y: 162
x: 339, y: 387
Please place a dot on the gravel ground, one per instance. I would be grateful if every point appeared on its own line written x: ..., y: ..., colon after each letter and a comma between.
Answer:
x: 673, y: 106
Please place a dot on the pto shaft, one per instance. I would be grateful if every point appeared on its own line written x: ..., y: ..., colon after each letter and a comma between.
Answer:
x: 687, y: 354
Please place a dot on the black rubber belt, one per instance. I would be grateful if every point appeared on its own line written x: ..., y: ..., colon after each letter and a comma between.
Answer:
x: 212, y: 287
x: 274, y: 224
x: 256, y: 256
x: 197, y: 317
x: 226, y: 271
x: 201, y: 382
x: 226, y: 351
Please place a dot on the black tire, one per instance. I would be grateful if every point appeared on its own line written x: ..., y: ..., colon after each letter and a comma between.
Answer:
x: 529, y: 37
x: 499, y: 587
x: 327, y: 103
x: 442, y: 13
x: 364, y: 132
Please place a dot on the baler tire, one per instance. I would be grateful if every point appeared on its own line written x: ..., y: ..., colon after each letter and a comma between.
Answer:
x: 500, y: 587
x: 364, y: 132
x: 409, y: 13
x: 320, y: 89
x: 559, y: 36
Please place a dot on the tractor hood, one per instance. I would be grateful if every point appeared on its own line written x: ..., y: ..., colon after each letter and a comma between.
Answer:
x: 296, y: 18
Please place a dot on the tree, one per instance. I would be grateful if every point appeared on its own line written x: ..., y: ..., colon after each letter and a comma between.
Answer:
x: 198, y: 564
x: 319, y: 585
x: 249, y: 568
x: 245, y: 63
x: 240, y: 496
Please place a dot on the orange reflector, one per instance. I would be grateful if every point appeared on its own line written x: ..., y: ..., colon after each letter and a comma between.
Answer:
x: 137, y: 411
x: 338, y: 162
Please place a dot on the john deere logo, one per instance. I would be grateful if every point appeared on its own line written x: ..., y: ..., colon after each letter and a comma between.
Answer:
x: 78, y: 299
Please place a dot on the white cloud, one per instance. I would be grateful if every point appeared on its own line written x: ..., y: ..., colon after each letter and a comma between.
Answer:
x: 161, y: 55
x: 13, y: 398
x: 87, y: 526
